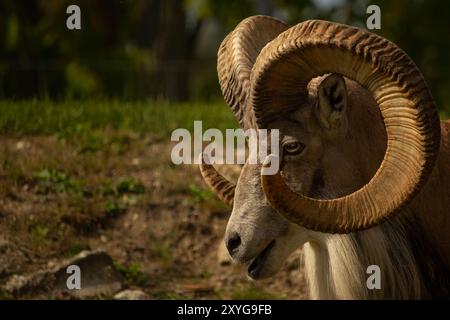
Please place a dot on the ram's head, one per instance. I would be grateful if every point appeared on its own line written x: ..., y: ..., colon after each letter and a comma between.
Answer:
x: 359, y: 134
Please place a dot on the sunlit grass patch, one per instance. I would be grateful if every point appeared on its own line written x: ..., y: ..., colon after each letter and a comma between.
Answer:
x: 133, y: 273
x: 75, y: 118
x: 46, y: 233
x: 55, y: 181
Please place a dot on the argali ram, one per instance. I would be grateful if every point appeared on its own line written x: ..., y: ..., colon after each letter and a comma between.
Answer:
x: 365, y: 161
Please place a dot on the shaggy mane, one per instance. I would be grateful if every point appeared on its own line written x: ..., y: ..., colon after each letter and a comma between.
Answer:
x: 336, y: 265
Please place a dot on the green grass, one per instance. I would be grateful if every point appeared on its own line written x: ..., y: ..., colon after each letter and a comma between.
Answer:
x: 70, y: 118
x: 74, y: 249
x: 163, y: 251
x: 4, y: 295
x: 40, y: 232
x: 54, y: 181
x: 198, y: 194
x: 115, y: 208
x: 129, y: 185
x: 83, y: 119
x: 132, y: 273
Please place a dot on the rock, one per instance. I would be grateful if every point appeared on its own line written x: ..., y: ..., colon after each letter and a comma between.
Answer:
x: 136, y: 161
x: 20, y: 145
x: 15, y: 283
x: 131, y: 295
x: 98, y: 277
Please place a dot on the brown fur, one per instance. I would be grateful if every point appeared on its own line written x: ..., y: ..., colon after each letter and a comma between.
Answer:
x: 344, y: 148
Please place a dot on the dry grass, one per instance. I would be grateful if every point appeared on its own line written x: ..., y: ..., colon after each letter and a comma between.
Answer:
x: 74, y: 180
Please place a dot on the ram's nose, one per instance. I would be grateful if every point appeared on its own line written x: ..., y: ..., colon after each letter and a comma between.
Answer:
x: 233, y: 242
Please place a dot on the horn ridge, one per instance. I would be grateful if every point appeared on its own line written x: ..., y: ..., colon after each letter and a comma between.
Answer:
x: 313, y: 48
x: 236, y: 57
x: 223, y: 188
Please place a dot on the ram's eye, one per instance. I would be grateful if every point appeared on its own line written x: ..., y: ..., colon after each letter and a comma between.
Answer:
x: 293, y: 148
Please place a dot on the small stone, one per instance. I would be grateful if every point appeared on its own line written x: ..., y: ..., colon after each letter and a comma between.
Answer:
x: 20, y: 145
x: 131, y: 295
x: 15, y: 282
x: 99, y: 277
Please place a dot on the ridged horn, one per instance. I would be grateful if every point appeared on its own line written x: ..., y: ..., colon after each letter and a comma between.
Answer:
x: 313, y: 48
x: 223, y: 188
x: 235, y: 60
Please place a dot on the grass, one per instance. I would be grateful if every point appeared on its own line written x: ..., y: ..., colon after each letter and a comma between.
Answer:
x: 74, y: 249
x: 80, y: 118
x: 114, y: 208
x: 40, y: 231
x: 129, y: 185
x: 69, y: 170
x: 132, y: 273
x: 4, y: 295
x: 54, y: 181
x: 250, y: 292
x: 83, y: 118
x: 163, y: 251
x: 198, y: 194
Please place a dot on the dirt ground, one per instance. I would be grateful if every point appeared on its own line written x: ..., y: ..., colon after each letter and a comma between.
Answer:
x: 160, y: 224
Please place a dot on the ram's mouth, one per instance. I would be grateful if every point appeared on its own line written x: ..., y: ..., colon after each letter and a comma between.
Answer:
x: 257, y: 265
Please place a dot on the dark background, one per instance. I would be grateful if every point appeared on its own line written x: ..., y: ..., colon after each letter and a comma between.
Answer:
x: 166, y: 49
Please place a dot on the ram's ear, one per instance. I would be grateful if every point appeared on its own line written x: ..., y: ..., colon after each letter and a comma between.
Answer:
x: 332, y: 102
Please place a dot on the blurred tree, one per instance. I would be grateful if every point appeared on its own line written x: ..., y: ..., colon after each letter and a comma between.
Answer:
x: 422, y: 29
x: 166, y: 48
